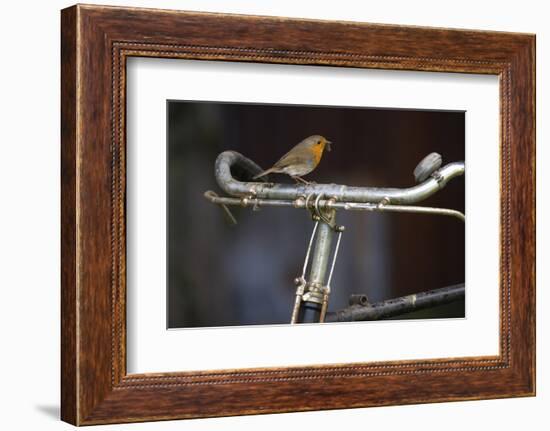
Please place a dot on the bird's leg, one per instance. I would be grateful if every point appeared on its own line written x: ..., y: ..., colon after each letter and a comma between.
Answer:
x: 300, y: 180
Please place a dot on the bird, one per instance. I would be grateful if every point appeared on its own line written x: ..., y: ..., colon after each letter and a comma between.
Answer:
x: 300, y: 160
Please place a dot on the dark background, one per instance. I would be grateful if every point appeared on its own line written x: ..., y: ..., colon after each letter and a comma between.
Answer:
x: 222, y: 275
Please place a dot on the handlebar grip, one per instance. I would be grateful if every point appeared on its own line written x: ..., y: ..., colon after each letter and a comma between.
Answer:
x: 427, y: 166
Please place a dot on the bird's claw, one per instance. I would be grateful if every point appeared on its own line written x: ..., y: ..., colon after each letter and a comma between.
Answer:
x: 301, y: 180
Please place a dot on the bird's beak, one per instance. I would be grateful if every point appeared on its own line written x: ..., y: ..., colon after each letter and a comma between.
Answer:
x: 328, y: 145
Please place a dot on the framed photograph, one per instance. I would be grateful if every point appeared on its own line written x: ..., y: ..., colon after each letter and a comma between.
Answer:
x: 317, y: 215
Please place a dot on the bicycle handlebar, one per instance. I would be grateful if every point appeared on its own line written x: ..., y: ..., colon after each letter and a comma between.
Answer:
x: 232, y: 161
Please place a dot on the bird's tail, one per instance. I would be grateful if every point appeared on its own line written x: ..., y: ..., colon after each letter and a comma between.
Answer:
x: 264, y: 173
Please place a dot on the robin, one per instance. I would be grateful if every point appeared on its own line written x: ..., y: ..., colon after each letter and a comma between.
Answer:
x: 300, y: 160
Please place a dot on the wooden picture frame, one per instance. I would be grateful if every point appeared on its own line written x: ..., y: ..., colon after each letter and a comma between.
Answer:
x: 95, y: 43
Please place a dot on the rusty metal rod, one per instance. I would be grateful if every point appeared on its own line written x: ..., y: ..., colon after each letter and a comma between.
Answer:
x: 331, y: 204
x: 397, y: 306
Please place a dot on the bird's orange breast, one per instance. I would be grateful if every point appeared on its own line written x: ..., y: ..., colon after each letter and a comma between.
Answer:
x: 317, y: 152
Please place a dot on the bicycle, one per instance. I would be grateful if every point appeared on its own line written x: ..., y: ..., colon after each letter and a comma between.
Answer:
x: 323, y: 201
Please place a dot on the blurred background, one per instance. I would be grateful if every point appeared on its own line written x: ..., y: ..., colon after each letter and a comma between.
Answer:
x: 221, y: 275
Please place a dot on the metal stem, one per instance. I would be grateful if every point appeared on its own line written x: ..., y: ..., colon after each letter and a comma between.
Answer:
x: 321, y: 252
x: 315, y: 299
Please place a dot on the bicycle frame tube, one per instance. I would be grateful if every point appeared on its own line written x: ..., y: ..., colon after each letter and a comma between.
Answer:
x: 311, y: 308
